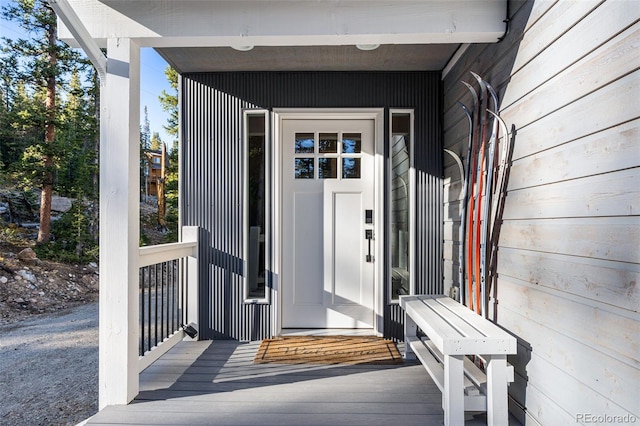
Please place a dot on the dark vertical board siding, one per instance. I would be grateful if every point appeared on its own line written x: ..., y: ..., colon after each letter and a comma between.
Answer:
x: 213, y: 174
x: 393, y: 322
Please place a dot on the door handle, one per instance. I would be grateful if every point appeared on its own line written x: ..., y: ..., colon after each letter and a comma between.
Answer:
x: 368, y: 235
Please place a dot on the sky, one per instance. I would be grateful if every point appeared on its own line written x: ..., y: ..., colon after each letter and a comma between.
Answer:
x: 152, y: 80
x: 152, y: 83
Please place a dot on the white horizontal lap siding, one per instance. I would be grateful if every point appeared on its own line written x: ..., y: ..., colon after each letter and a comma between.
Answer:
x: 595, y: 279
x: 569, y: 260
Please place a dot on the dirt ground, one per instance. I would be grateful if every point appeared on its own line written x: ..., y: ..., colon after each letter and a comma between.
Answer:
x: 48, y: 340
x: 49, y: 368
x: 49, y: 331
x: 33, y: 286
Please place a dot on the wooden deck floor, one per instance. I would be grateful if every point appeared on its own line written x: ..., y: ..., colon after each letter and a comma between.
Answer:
x: 216, y: 383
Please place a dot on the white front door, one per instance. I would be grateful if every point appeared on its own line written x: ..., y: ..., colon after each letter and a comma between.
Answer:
x: 328, y: 189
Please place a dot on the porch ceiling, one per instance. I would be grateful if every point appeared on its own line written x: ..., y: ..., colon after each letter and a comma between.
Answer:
x: 197, y: 35
x: 392, y: 57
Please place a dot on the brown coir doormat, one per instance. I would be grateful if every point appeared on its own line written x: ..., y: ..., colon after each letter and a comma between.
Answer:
x: 328, y: 350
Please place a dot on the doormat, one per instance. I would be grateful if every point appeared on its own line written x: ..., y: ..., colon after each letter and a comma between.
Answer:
x: 328, y: 350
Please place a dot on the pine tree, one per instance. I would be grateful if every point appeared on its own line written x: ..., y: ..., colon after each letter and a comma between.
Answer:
x: 76, y: 236
x: 9, y: 152
x: 27, y: 125
x: 44, y: 61
x: 78, y: 132
x: 145, y: 131
x: 169, y: 103
x: 156, y: 142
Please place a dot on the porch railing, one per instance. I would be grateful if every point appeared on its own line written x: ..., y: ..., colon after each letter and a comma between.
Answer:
x: 161, y: 294
x: 167, y: 295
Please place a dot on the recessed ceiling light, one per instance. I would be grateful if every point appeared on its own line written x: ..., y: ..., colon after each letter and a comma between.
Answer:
x: 372, y: 46
x: 242, y: 48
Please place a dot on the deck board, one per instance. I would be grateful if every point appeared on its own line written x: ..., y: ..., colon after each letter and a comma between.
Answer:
x: 216, y: 383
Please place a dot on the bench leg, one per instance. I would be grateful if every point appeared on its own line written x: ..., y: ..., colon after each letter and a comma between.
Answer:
x: 410, y: 330
x: 453, y: 394
x: 497, y: 404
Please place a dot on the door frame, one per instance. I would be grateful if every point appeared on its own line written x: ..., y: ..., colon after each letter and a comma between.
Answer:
x: 375, y: 114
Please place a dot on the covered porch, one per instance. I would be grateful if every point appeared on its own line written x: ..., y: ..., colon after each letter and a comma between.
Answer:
x: 217, y: 383
x: 387, y: 53
x: 567, y: 78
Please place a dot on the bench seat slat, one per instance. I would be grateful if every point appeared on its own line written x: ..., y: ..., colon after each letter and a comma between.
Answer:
x: 459, y: 325
x: 429, y: 322
x: 436, y: 316
x: 486, y: 327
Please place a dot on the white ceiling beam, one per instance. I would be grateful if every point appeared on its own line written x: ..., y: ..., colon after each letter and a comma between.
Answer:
x: 81, y: 35
x: 184, y: 23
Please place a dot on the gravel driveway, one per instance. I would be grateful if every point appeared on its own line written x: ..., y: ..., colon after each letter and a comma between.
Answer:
x: 49, y: 368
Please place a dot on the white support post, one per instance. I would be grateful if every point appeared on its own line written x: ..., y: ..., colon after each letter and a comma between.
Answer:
x: 453, y: 393
x: 191, y: 234
x: 119, y: 224
x: 497, y: 403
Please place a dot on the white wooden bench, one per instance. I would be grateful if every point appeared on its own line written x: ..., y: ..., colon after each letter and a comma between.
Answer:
x: 453, y: 332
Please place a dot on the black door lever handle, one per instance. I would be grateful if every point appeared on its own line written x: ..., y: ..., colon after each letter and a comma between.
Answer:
x: 368, y: 234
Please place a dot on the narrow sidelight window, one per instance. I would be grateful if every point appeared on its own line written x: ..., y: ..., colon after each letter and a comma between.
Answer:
x: 400, y: 196
x: 257, y: 194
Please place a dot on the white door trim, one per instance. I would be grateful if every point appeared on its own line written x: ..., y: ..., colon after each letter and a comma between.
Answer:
x: 376, y: 114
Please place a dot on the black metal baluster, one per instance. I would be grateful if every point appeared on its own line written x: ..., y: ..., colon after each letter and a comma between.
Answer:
x: 141, y: 320
x: 161, y: 320
x: 176, y: 283
x: 173, y: 296
x: 169, y: 329
x: 156, y: 306
x: 149, y: 308
x: 168, y: 301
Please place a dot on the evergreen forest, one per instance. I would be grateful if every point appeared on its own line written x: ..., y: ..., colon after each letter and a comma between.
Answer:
x: 50, y: 144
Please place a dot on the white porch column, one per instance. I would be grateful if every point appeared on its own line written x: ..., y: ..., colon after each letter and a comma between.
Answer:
x: 119, y: 224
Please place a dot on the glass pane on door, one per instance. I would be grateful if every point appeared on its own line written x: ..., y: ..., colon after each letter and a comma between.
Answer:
x: 303, y: 168
x: 351, y: 143
x: 305, y: 143
x: 350, y: 168
x: 327, y: 168
x: 328, y: 143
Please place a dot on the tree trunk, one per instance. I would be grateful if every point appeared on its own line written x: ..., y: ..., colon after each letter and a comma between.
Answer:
x: 162, y: 202
x: 47, y: 179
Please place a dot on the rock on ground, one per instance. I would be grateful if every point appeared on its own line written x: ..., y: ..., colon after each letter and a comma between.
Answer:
x: 49, y: 368
x: 30, y: 286
x: 61, y: 204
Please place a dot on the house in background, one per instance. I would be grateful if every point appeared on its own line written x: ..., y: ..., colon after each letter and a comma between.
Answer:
x: 155, y: 169
x: 315, y: 188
